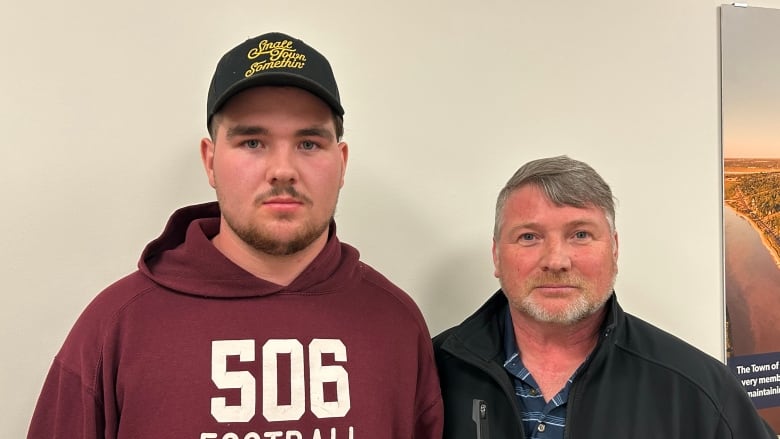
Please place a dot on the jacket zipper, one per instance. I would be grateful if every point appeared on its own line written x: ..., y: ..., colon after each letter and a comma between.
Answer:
x: 480, y: 417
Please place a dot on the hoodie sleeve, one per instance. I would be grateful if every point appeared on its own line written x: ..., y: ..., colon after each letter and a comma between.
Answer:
x: 66, y: 408
x: 71, y: 403
x: 429, y: 423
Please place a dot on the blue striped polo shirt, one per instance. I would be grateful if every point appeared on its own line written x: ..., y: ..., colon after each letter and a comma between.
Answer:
x: 541, y: 420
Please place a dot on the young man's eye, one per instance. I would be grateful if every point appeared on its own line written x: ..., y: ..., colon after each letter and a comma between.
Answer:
x: 252, y: 144
x: 308, y: 145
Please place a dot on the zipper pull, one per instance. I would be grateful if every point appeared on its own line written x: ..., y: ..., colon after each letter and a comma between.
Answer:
x: 479, y: 415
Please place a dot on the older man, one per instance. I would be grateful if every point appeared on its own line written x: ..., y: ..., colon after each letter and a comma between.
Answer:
x: 552, y: 355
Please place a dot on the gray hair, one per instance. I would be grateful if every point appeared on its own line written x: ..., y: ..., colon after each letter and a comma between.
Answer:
x: 565, y: 181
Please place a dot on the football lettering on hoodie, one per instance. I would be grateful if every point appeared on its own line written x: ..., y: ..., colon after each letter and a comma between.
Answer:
x: 290, y: 434
x: 272, y: 410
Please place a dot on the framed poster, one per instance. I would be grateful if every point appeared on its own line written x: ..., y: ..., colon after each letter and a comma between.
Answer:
x: 750, y: 91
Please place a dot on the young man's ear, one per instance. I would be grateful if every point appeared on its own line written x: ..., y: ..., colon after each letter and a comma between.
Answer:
x: 344, y: 156
x: 207, y: 156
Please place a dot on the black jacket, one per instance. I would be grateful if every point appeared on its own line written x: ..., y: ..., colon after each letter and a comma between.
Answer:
x: 640, y: 383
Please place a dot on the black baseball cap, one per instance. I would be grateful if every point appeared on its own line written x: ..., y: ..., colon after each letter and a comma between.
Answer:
x: 272, y: 59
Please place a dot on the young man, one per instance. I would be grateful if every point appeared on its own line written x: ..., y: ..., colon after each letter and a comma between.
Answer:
x: 552, y: 355
x: 248, y: 318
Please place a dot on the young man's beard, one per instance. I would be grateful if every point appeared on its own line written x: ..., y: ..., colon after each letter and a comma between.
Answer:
x: 266, y: 241
x: 263, y: 241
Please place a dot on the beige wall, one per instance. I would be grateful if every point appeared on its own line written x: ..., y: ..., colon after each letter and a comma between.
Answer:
x: 102, y: 108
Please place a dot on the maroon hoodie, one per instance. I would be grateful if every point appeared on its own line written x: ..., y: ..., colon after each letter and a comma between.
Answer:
x: 192, y: 346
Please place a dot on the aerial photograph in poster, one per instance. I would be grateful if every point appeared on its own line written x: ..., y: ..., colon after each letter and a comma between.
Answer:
x: 750, y: 91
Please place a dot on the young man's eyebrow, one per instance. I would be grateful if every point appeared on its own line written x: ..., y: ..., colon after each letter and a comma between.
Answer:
x: 315, y: 131
x: 245, y: 130
x: 253, y: 130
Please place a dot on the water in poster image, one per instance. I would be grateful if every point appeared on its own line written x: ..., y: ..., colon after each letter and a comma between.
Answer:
x: 752, y: 283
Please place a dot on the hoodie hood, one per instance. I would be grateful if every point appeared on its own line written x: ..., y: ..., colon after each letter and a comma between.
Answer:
x: 184, y: 260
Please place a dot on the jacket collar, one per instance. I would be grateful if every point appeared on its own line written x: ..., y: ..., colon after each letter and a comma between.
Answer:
x: 481, y: 334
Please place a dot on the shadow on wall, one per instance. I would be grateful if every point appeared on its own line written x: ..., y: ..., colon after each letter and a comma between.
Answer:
x: 456, y: 285
x: 446, y: 269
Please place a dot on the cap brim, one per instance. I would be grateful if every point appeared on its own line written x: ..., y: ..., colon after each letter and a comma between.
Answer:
x: 278, y: 79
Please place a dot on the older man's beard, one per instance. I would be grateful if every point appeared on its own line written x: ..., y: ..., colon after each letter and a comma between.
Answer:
x: 583, y: 305
x: 575, y: 312
x: 265, y: 241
